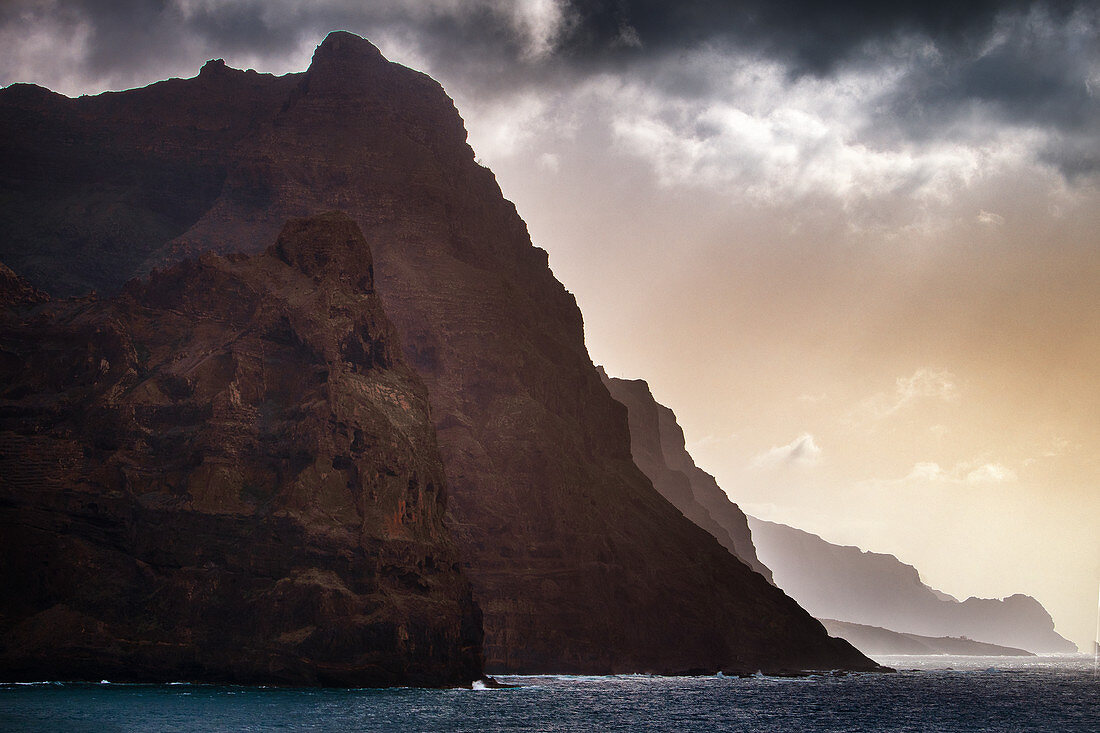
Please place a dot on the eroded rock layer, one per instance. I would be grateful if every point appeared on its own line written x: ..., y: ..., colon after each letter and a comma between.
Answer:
x: 577, y: 563
x: 226, y: 473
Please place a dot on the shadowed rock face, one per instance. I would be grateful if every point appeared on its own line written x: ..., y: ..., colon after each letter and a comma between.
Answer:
x: 837, y: 582
x: 577, y: 563
x: 657, y: 444
x: 226, y: 473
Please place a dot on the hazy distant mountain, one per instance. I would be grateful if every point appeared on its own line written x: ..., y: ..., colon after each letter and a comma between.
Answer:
x: 829, y: 580
x: 877, y: 641
x: 657, y: 444
x: 846, y: 583
x: 576, y: 562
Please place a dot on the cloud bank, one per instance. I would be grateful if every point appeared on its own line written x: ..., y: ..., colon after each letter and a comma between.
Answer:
x: 802, y: 452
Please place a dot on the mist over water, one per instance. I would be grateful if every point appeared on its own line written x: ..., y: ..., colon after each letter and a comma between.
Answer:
x: 928, y: 693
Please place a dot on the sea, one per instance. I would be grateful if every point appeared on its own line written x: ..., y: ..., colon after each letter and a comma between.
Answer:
x: 927, y: 693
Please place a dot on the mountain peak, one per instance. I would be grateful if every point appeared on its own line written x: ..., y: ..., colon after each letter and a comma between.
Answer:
x: 213, y: 66
x: 341, y: 48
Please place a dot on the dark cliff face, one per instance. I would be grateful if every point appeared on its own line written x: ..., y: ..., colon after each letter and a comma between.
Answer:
x: 577, y: 563
x: 657, y: 444
x: 89, y: 186
x: 846, y: 583
x: 226, y: 473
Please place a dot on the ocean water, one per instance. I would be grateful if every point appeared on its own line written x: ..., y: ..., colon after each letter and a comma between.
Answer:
x: 927, y: 694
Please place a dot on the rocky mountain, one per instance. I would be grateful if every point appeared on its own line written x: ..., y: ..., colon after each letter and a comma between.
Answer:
x: 878, y: 641
x: 657, y: 444
x: 838, y: 582
x: 226, y: 473
x: 576, y: 562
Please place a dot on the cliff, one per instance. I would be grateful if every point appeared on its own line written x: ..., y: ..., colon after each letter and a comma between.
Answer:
x: 577, y: 563
x: 837, y: 582
x: 226, y: 473
x: 658, y: 447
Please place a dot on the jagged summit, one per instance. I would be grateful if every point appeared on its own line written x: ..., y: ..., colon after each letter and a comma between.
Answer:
x: 349, y: 65
x: 347, y: 47
x: 213, y: 66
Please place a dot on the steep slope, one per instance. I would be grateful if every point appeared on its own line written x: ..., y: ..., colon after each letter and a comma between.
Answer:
x: 657, y: 444
x: 837, y: 582
x: 226, y: 473
x: 577, y: 563
x: 878, y: 641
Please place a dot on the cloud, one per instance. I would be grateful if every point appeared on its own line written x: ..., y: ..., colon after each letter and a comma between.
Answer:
x: 1056, y: 448
x: 923, y: 385
x: 962, y: 473
x: 1033, y: 69
x: 550, y: 162
x: 754, y: 135
x: 926, y: 471
x: 801, y: 452
x: 990, y: 473
x: 812, y: 35
x: 934, y: 383
x: 990, y: 219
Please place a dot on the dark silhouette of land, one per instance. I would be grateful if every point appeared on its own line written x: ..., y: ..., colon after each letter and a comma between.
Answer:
x: 575, y: 561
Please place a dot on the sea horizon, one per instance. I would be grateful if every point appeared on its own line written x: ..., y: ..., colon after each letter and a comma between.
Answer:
x: 928, y: 692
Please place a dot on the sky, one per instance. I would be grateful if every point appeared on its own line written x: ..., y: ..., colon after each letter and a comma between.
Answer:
x: 854, y: 245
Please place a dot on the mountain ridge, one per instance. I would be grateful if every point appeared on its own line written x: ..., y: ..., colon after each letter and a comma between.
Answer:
x: 876, y: 589
x: 875, y: 640
x: 577, y: 563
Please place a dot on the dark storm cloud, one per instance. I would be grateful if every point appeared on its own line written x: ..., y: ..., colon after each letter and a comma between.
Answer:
x: 1032, y: 70
x: 814, y: 36
x: 1030, y: 63
x: 1037, y: 71
x: 811, y: 36
x: 1022, y: 61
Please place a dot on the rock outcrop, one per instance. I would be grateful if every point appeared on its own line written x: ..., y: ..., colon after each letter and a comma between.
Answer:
x: 226, y: 473
x: 577, y: 563
x: 846, y: 583
x: 658, y: 446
